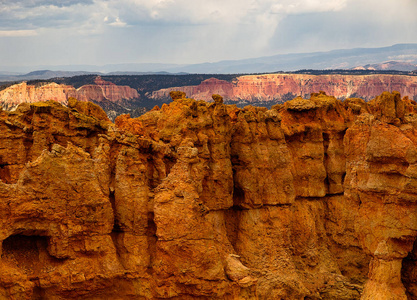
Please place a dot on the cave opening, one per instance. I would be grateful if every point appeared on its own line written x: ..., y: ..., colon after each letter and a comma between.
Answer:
x: 29, y: 253
x: 24, y: 251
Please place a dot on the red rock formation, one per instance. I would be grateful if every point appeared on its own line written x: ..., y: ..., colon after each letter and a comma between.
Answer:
x: 102, y: 90
x: 90, y: 91
x: 115, y: 93
x: 282, y: 87
x: 12, y: 96
x: 312, y: 199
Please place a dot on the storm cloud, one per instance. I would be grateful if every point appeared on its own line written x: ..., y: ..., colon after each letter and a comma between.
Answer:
x: 42, y: 32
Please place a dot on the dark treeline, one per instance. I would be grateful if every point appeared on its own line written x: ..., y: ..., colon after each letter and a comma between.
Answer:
x: 145, y: 83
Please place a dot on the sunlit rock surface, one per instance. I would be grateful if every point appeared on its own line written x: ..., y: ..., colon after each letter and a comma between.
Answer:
x: 312, y: 199
x: 273, y: 88
x: 99, y: 92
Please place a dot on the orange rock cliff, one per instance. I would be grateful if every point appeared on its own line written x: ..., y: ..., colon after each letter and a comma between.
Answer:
x: 282, y: 87
x: 101, y: 91
x: 312, y: 199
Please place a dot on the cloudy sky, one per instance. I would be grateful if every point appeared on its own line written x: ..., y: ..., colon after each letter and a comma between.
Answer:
x: 98, y: 32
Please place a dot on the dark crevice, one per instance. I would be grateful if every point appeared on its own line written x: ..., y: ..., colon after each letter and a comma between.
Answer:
x: 408, y: 274
x: 169, y: 163
x: 112, y: 198
x: 38, y: 292
x: 116, y: 225
x: 273, y: 205
x: 151, y: 238
x: 154, y: 175
x: 327, y: 184
x: 5, y: 173
x: 151, y: 228
x: 232, y: 220
x: 333, y: 194
x: 326, y: 142
x: 28, y: 143
x: 238, y: 195
x: 326, y: 139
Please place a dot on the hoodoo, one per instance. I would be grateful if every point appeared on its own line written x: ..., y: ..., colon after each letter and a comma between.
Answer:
x: 311, y: 199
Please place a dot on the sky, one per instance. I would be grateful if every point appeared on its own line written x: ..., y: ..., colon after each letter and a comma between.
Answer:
x: 99, y: 32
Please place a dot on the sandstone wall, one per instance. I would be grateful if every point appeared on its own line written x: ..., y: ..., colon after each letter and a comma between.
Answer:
x: 312, y: 199
x: 283, y: 87
x: 102, y: 90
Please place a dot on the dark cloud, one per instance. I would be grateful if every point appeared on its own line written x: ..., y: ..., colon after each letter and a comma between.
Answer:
x: 185, y: 31
x: 32, y: 14
x: 37, y: 3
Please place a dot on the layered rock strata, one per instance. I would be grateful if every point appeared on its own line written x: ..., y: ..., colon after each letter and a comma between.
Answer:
x: 101, y: 91
x: 273, y: 88
x: 312, y: 199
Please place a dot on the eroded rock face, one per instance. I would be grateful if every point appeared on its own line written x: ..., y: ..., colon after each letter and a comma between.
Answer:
x: 312, y: 199
x: 101, y: 91
x: 16, y: 94
x: 282, y: 87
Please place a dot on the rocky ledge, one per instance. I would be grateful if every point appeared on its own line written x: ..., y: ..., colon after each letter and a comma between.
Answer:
x: 312, y: 199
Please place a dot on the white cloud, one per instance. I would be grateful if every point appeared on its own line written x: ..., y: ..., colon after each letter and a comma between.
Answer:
x: 236, y: 26
x: 118, y: 23
x: 184, y: 11
x: 307, y: 6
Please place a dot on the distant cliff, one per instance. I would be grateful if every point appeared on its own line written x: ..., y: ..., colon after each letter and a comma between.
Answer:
x: 138, y: 94
x: 277, y: 88
x: 16, y: 94
x: 108, y: 95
